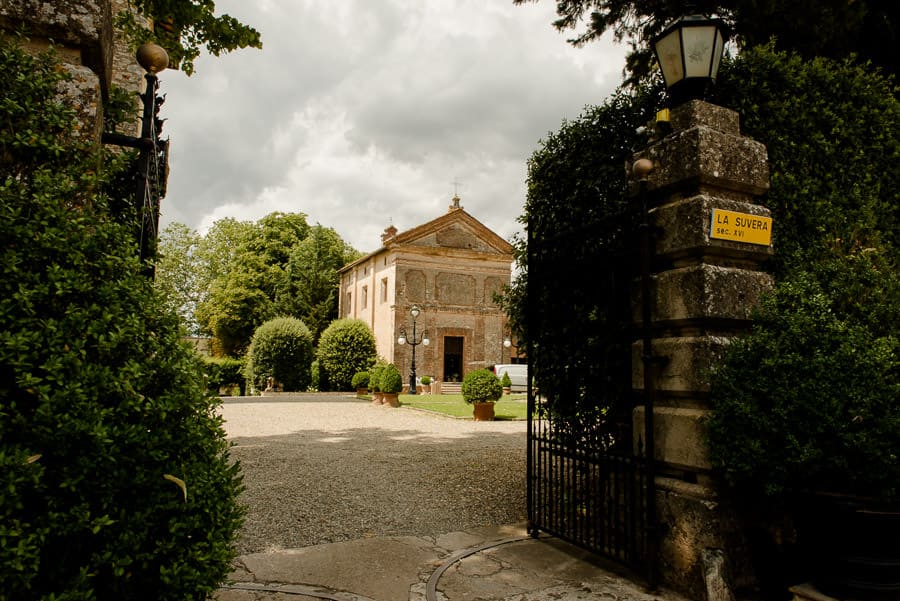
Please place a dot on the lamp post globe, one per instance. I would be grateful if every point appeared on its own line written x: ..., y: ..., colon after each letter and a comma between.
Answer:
x: 413, y: 342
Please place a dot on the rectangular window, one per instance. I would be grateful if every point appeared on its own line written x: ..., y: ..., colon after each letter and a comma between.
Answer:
x: 384, y: 289
x: 349, y: 310
x: 365, y: 296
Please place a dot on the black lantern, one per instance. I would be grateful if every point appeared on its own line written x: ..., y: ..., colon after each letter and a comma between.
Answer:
x: 689, y: 52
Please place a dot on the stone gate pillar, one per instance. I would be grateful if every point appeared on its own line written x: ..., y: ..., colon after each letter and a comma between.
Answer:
x: 703, y: 288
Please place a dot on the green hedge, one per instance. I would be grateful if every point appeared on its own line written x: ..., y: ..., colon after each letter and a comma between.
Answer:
x: 114, y: 465
x: 224, y: 371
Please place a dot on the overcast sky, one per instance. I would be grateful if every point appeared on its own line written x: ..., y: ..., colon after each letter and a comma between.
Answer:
x: 363, y: 113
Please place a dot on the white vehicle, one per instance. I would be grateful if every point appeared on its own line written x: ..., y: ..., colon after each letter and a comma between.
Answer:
x: 518, y: 375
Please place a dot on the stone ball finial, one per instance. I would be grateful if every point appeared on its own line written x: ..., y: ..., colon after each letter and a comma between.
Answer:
x: 642, y: 168
x: 152, y: 57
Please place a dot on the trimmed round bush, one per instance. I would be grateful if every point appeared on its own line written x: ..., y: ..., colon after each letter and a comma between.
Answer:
x: 360, y: 379
x: 345, y: 347
x: 390, y: 380
x: 375, y: 376
x: 481, y: 386
x: 281, y: 348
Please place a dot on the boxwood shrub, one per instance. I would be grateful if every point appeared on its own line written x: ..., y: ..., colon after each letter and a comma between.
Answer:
x: 481, y: 386
x: 114, y: 465
x: 390, y: 380
x: 281, y: 348
x: 345, y: 347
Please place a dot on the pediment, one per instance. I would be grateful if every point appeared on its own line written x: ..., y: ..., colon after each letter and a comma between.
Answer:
x: 456, y: 230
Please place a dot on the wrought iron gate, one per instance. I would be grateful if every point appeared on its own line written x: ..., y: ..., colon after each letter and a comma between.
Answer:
x: 588, y: 481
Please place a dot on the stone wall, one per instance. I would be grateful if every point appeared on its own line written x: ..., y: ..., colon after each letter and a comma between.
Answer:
x: 82, y: 34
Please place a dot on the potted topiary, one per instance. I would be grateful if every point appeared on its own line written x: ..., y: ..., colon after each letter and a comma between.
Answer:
x: 506, y: 383
x: 481, y: 389
x: 360, y: 382
x: 806, y: 420
x: 375, y: 383
x: 426, y: 384
x: 391, y: 383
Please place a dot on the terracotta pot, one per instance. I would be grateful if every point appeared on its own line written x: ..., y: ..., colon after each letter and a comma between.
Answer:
x: 362, y: 391
x: 483, y: 412
x: 377, y: 398
x: 507, y: 390
x: 391, y: 398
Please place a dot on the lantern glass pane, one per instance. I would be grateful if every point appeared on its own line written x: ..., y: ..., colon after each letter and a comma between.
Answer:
x: 717, y: 55
x: 699, y: 43
x: 668, y: 52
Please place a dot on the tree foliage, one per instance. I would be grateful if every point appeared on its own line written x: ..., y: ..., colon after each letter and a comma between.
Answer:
x: 245, y: 273
x: 282, y: 348
x: 115, y: 469
x: 346, y: 346
x: 182, y: 27
x: 832, y: 131
x: 828, y: 28
x: 309, y: 287
x: 808, y: 400
x: 176, y: 277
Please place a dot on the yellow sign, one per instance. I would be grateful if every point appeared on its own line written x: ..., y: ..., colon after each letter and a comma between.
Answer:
x: 741, y: 227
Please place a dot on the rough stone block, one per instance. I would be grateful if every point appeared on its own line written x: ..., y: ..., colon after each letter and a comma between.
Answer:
x: 695, y: 113
x: 693, y: 522
x: 677, y: 436
x: 702, y: 156
x: 82, y: 24
x: 705, y: 150
x: 83, y: 94
x: 689, y: 360
x: 700, y: 294
x: 684, y: 231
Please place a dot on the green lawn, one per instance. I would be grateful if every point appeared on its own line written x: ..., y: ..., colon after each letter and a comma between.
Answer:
x: 508, y: 407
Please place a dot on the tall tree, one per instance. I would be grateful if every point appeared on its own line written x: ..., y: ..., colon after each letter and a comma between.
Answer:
x: 829, y: 28
x: 176, y: 272
x: 311, y: 279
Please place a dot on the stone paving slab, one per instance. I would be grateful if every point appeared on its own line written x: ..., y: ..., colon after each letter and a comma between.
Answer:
x: 471, y: 567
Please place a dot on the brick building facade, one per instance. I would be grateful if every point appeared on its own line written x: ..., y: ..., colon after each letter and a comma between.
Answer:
x: 450, y: 268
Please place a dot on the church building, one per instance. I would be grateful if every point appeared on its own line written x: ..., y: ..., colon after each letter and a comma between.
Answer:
x: 449, y: 269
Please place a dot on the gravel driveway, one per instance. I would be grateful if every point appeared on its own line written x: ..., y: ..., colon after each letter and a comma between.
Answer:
x: 322, y: 468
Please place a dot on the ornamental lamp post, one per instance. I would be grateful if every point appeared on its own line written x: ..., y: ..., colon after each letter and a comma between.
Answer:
x: 152, y: 163
x: 413, y: 342
x: 689, y: 51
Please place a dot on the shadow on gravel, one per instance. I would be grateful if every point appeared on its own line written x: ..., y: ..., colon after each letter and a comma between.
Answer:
x: 292, y: 397
x: 316, y: 486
